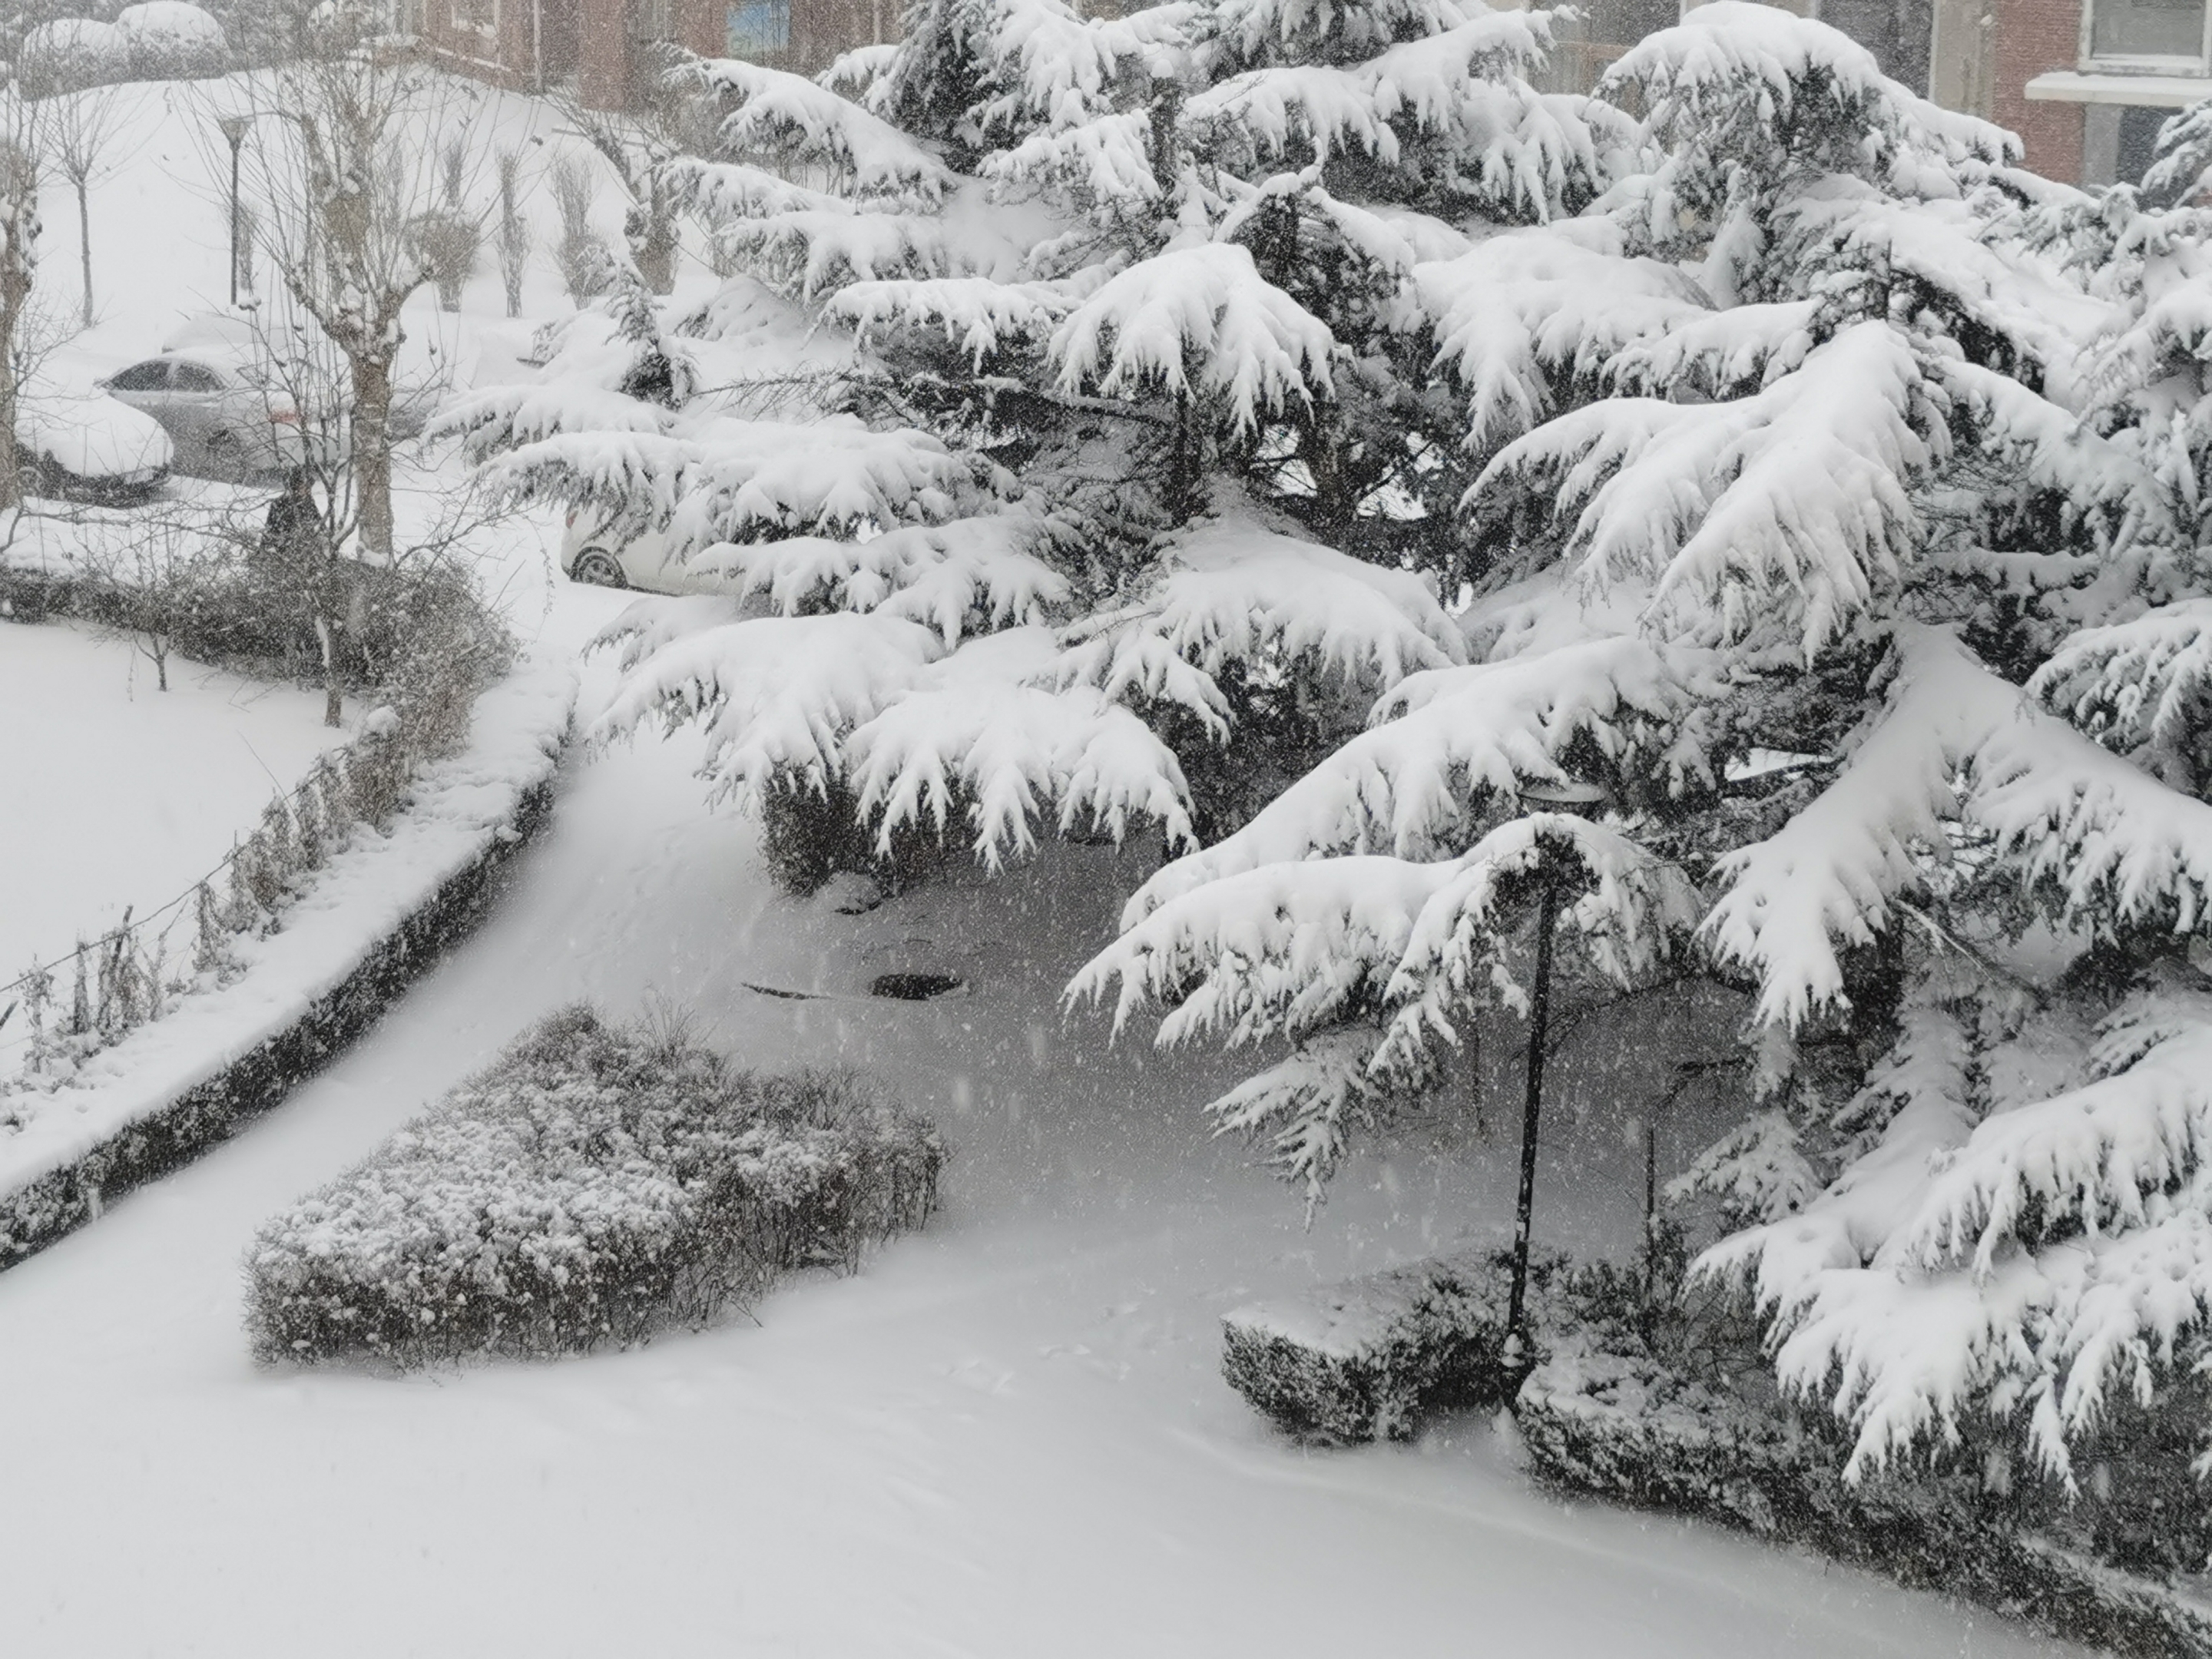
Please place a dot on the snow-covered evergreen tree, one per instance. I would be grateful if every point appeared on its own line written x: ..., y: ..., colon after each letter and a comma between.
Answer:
x: 1110, y: 401
x: 1827, y: 466
x: 1129, y: 393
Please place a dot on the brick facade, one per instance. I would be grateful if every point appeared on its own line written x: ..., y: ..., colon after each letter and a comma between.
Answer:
x: 2033, y: 36
x: 1973, y: 54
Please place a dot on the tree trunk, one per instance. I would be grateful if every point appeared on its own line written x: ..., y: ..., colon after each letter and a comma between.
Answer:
x: 653, y: 250
x: 84, y: 242
x: 372, y: 455
x: 326, y: 637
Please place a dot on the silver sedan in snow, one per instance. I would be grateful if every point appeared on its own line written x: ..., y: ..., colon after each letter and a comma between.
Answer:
x: 226, y: 420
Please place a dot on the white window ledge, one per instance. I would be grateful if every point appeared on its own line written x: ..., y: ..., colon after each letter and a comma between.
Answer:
x: 2147, y: 91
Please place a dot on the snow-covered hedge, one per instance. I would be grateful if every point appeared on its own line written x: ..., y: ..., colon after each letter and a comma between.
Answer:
x: 1607, y: 1414
x: 1365, y: 1358
x: 597, y: 1183
x: 170, y: 40
x: 72, y: 53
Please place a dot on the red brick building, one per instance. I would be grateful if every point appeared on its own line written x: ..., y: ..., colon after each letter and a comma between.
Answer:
x: 600, y: 49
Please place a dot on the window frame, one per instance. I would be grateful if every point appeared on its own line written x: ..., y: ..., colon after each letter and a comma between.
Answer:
x: 2093, y: 62
x: 769, y: 55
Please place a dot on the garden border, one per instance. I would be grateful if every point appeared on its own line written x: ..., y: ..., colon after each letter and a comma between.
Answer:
x: 235, y: 1087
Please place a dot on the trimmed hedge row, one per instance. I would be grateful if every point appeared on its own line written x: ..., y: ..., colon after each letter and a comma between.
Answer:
x: 598, y: 1182
x: 1648, y: 1404
x: 1626, y: 1424
x: 40, y: 1212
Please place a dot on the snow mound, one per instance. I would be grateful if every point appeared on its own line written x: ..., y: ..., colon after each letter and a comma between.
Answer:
x: 171, y: 41
x: 71, y: 54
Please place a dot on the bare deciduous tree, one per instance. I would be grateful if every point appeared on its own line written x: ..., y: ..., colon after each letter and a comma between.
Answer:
x: 84, y: 127
x: 344, y: 159
x: 640, y: 146
x: 583, y: 259
x: 512, y: 239
x: 25, y: 135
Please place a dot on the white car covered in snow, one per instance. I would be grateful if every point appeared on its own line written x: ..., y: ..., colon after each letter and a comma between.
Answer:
x: 593, y: 552
x: 83, y: 445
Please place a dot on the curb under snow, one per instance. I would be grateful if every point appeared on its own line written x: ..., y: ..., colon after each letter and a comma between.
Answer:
x: 374, y: 918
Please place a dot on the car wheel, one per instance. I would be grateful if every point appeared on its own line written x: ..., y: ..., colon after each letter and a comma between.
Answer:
x: 225, y: 455
x: 599, y: 567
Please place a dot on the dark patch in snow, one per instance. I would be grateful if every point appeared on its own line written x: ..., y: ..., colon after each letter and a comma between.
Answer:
x: 914, y: 988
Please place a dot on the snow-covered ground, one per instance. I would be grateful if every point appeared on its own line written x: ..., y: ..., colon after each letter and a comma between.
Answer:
x: 1007, y: 1437
x: 114, y: 793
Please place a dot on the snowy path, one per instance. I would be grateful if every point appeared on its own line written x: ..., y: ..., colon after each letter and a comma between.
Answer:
x: 1007, y: 1437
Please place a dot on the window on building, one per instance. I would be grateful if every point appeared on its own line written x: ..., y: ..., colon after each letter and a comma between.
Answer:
x: 1601, y: 32
x: 651, y: 20
x: 759, y: 29
x: 2147, y: 29
x: 477, y: 16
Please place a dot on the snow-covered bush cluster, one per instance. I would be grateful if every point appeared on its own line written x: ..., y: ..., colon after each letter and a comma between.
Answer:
x: 70, y: 54
x: 1801, y: 473
x: 1367, y: 1359
x: 599, y: 1181
x: 158, y: 40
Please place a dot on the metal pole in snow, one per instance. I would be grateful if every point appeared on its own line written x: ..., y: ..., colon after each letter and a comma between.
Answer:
x: 1540, y: 1007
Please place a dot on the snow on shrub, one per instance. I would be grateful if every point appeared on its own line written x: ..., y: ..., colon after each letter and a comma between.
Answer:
x: 170, y: 40
x: 72, y: 53
x: 1364, y: 1359
x: 597, y: 1183
x: 1699, y: 1425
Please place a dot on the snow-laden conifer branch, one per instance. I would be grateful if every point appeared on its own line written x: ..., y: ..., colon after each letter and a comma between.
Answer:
x: 1329, y: 952
x: 964, y: 577
x: 797, y: 119
x: 981, y: 727
x: 1523, y: 314
x: 2143, y: 688
x: 2032, y: 1262
x: 1630, y: 914
x: 729, y: 480
x: 1787, y: 508
x: 980, y: 315
x: 1312, y: 1105
x: 1512, y: 39
x: 1448, y: 744
x: 1454, y: 91
x: 1734, y: 69
x: 2103, y: 843
x: 1104, y: 162
x: 776, y: 696
x: 1198, y: 320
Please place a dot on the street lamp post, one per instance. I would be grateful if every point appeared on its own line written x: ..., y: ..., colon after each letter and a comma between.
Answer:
x: 1563, y: 797
x: 234, y: 131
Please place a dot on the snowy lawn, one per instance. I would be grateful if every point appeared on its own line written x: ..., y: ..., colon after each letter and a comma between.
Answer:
x: 112, y: 793
x: 1008, y: 1437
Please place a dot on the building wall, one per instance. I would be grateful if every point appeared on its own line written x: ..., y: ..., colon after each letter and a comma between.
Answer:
x: 2032, y: 37
x: 1982, y: 55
